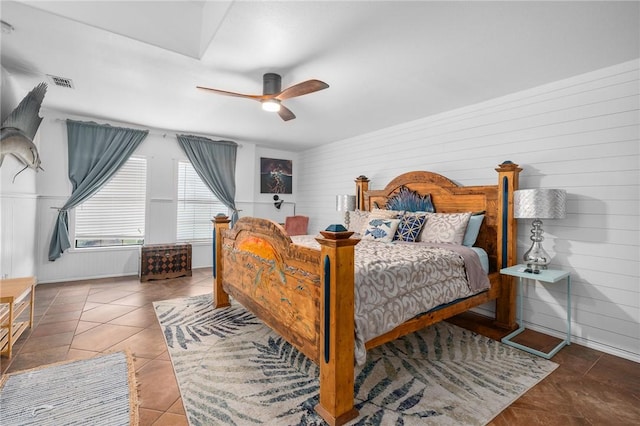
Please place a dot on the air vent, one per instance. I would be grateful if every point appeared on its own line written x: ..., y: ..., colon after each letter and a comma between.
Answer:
x: 61, y: 81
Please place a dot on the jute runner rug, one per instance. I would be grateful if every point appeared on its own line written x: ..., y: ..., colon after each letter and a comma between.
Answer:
x: 96, y: 391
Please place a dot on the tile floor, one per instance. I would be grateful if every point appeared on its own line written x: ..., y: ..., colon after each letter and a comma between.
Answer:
x: 83, y: 318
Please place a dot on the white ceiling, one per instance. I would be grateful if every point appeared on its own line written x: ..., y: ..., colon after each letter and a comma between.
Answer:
x: 386, y: 62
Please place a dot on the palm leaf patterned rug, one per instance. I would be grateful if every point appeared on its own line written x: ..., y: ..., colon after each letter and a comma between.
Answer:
x: 233, y: 370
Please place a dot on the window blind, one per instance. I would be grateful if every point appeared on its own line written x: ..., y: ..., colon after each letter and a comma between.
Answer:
x: 196, y: 205
x: 115, y: 215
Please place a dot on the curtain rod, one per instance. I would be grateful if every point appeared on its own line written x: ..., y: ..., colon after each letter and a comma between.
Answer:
x: 156, y: 132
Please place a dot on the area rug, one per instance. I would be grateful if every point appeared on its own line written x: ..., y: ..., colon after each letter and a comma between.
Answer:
x: 96, y: 391
x: 233, y: 370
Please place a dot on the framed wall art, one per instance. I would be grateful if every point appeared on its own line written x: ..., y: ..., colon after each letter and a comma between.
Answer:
x: 276, y: 176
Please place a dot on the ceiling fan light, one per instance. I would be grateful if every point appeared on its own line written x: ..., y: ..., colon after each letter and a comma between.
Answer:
x: 271, y: 105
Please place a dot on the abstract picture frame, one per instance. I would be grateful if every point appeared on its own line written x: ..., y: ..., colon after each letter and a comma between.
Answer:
x: 276, y: 176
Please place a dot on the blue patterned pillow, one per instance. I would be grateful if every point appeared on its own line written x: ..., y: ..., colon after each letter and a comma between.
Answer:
x: 381, y: 230
x: 409, y: 228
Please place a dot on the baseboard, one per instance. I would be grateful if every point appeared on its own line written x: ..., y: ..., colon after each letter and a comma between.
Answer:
x: 611, y: 350
x: 93, y: 277
x: 586, y: 342
x: 131, y: 274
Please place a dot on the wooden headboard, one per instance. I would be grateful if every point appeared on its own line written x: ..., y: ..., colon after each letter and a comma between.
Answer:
x: 449, y: 197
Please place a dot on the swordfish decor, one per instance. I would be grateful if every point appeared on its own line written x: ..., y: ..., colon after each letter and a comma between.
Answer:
x: 19, y: 129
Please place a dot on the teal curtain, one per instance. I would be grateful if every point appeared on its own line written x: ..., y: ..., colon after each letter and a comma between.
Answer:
x: 96, y: 152
x: 215, y: 163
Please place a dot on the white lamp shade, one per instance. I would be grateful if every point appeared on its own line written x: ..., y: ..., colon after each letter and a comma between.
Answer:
x: 540, y: 204
x: 345, y: 203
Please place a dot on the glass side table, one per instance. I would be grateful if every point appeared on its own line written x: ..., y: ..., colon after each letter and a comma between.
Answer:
x: 548, y: 276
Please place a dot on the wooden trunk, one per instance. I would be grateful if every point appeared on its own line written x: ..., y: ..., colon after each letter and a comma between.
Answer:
x: 162, y: 261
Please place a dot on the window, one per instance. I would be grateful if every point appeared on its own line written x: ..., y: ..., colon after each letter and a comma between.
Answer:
x: 114, y: 216
x: 196, y: 205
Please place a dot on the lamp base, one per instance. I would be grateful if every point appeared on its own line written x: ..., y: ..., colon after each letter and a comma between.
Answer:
x: 346, y: 219
x: 536, y: 257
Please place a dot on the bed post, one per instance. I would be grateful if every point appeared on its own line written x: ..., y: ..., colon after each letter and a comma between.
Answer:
x: 362, y: 186
x: 337, y: 330
x: 220, y: 297
x: 507, y: 243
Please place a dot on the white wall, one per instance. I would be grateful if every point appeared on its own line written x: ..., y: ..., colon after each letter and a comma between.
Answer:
x: 17, y: 199
x: 10, y: 98
x: 579, y: 134
x: 18, y: 237
x: 261, y: 205
x: 17, y: 218
x: 162, y: 152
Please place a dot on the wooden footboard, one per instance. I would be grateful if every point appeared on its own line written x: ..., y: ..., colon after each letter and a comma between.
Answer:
x: 273, y: 278
x: 307, y: 296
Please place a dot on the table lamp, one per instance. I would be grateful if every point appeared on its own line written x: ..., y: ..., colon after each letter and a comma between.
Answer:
x: 538, y: 204
x: 346, y: 204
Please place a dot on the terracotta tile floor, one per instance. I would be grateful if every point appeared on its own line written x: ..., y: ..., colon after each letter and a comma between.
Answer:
x: 83, y: 318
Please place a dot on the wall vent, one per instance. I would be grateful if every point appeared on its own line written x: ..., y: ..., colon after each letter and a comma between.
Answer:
x: 61, y: 81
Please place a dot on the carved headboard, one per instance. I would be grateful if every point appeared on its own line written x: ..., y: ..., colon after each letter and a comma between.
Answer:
x: 447, y: 197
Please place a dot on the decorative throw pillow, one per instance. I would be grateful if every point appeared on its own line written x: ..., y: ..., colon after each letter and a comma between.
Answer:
x: 445, y: 228
x: 426, y: 217
x: 381, y: 230
x: 473, y: 229
x: 381, y: 214
x: 410, y: 227
x: 358, y: 220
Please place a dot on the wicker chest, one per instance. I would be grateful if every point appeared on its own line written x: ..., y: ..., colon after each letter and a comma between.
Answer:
x: 161, y: 261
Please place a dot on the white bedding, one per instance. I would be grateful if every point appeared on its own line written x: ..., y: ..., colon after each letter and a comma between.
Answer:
x: 394, y: 282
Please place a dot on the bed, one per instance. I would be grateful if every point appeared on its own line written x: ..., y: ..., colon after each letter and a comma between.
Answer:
x: 307, y: 294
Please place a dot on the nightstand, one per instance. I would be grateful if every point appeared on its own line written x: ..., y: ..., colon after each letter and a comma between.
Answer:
x: 547, y: 276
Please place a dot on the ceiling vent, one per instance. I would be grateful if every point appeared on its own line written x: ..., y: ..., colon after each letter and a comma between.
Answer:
x: 61, y: 81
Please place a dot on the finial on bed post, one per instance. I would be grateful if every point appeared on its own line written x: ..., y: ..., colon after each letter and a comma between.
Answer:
x: 337, y: 328
x: 362, y: 186
x: 508, y: 173
x: 220, y: 297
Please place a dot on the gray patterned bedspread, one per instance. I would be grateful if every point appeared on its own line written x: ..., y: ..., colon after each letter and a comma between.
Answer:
x: 396, y: 281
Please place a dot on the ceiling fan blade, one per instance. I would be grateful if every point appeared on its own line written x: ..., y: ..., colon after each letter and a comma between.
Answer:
x: 303, y: 88
x: 285, y: 113
x: 238, y: 95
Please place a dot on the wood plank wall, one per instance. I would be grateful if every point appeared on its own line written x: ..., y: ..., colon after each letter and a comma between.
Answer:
x: 580, y: 134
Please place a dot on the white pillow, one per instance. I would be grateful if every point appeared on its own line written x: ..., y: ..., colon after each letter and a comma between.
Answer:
x: 445, y: 228
x: 358, y: 220
x: 381, y: 229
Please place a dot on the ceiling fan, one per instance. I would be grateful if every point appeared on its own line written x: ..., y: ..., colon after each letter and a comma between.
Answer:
x: 273, y: 95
